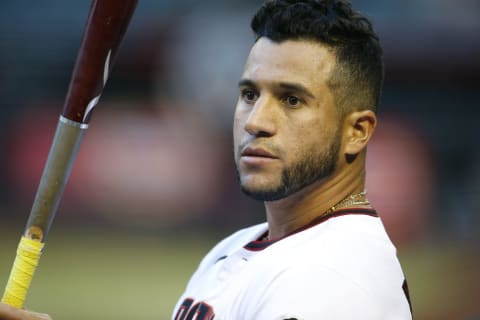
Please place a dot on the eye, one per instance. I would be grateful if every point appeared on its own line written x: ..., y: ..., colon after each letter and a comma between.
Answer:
x: 249, y: 95
x: 292, y: 101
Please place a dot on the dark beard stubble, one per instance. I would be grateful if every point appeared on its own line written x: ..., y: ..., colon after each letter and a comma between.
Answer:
x: 312, y: 168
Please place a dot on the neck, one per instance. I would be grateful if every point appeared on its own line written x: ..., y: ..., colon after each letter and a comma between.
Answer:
x: 289, y: 214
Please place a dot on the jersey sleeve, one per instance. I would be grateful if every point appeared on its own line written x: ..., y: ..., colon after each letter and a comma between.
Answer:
x: 296, y: 294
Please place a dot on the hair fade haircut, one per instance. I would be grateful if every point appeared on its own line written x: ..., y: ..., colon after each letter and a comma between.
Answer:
x: 357, y: 78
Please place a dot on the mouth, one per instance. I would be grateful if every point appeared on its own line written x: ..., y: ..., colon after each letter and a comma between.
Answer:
x: 257, y: 153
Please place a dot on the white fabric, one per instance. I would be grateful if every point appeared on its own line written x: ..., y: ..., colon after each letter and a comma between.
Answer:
x: 342, y: 268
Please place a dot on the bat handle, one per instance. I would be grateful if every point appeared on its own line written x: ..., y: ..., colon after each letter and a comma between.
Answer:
x: 65, y: 145
x: 55, y: 175
x: 24, y: 266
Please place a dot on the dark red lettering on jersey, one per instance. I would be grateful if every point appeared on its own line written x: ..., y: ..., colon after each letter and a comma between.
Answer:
x: 199, y: 311
x: 183, y: 310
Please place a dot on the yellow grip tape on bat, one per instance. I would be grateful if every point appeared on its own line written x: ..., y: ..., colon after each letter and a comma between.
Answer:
x: 28, y: 255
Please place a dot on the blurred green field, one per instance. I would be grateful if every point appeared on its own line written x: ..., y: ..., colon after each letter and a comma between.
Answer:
x: 96, y: 275
x: 90, y: 275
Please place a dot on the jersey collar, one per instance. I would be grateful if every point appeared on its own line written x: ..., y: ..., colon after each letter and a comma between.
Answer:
x: 258, y: 245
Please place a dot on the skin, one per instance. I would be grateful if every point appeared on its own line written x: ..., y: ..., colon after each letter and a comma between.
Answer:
x: 286, y: 112
x: 10, y: 313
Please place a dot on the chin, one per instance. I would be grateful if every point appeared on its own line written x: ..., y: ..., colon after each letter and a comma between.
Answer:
x: 256, y: 183
x: 261, y: 187
x: 264, y: 193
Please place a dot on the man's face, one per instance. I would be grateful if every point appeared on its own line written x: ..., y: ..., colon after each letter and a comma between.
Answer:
x: 287, y: 131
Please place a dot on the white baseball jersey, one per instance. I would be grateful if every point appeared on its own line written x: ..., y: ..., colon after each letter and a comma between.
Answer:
x: 342, y: 266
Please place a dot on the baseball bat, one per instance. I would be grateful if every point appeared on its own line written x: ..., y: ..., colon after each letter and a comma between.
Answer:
x: 106, y: 25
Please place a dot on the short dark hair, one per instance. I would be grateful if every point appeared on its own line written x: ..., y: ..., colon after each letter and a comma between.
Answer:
x: 357, y: 78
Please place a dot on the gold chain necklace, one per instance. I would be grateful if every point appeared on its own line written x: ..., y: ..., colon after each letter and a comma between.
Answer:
x: 358, y: 199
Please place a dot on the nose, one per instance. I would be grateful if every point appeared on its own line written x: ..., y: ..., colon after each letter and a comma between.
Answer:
x: 261, y: 118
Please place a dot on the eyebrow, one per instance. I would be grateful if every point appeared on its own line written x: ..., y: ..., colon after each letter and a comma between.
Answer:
x: 295, y: 87
x: 246, y: 83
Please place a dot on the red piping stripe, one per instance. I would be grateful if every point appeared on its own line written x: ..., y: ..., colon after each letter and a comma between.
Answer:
x: 259, y: 245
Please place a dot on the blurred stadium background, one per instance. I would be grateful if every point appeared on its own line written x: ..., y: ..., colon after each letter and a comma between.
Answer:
x: 153, y: 187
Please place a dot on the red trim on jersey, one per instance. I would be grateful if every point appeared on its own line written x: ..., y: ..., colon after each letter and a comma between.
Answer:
x: 259, y: 245
x: 407, y: 295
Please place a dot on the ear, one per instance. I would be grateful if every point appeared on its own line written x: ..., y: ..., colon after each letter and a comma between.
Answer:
x: 359, y: 128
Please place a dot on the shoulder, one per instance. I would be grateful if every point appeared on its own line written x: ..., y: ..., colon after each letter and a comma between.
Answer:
x: 345, y: 266
x: 231, y: 244
x: 312, y: 292
x: 318, y: 290
x: 355, y: 247
x: 341, y: 239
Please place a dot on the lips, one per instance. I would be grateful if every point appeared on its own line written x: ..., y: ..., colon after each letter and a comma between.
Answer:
x: 258, y: 152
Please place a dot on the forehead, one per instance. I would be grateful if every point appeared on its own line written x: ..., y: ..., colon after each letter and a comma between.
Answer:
x: 306, y: 62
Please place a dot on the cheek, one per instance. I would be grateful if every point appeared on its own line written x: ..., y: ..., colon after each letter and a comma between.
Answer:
x: 310, y: 137
x: 237, y: 129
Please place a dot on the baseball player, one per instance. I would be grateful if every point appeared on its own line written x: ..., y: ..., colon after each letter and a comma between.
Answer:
x: 306, y: 111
